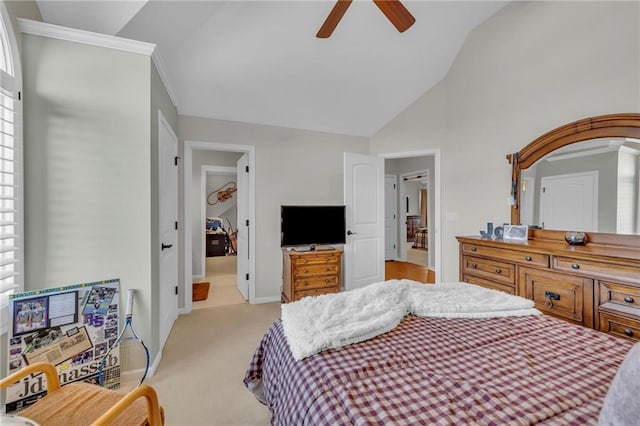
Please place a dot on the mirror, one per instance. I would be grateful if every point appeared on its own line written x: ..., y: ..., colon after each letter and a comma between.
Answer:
x: 582, y: 176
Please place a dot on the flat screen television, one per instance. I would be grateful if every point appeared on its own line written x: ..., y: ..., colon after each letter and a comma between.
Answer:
x: 311, y: 225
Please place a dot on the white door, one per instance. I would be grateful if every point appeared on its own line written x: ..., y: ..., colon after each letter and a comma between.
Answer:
x: 242, y: 236
x: 570, y: 201
x: 168, y: 224
x: 364, y: 201
x: 390, y: 218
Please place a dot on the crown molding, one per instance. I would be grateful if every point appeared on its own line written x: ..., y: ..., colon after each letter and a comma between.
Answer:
x: 44, y: 29
x: 87, y: 37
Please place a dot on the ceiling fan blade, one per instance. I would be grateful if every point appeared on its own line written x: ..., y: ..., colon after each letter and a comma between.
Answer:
x: 399, y: 16
x: 334, y: 17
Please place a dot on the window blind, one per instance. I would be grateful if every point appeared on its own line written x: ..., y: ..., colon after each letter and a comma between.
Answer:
x: 10, y: 180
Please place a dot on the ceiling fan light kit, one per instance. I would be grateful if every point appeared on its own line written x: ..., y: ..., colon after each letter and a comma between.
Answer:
x: 395, y: 12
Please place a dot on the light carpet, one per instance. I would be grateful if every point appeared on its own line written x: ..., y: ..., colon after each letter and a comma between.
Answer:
x: 221, y: 274
x: 199, y: 380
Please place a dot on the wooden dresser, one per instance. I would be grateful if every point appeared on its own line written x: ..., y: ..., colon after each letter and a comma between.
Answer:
x: 414, y: 222
x: 310, y: 273
x: 596, y: 285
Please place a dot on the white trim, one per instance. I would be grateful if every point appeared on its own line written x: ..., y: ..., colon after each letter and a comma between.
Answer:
x: 37, y: 28
x: 189, y: 147
x: 44, y: 29
x: 161, y: 67
x: 154, y: 365
x: 436, y: 184
x: 271, y: 299
x: 204, y: 170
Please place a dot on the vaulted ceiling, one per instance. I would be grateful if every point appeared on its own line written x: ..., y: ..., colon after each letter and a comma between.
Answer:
x: 260, y: 62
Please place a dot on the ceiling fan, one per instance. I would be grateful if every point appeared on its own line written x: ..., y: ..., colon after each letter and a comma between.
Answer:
x: 399, y: 16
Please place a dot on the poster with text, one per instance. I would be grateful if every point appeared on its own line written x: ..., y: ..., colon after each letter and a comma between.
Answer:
x: 70, y: 327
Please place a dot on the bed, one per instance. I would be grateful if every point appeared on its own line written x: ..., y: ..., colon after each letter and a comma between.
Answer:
x: 501, y: 371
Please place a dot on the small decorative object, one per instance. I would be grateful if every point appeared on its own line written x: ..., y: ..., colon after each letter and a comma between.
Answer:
x: 575, y: 238
x: 489, y: 232
x: 223, y: 193
x: 498, y: 232
x: 516, y: 232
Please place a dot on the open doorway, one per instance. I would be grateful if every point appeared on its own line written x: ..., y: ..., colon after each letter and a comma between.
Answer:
x: 414, y: 245
x: 217, y: 284
x: 219, y: 212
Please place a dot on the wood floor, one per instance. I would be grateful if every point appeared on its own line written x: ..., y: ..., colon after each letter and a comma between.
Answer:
x: 408, y: 270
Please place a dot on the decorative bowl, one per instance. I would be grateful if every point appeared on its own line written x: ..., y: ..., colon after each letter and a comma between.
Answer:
x: 575, y: 238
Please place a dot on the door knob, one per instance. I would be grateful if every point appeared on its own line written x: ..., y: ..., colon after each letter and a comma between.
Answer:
x: 166, y: 246
x: 351, y: 233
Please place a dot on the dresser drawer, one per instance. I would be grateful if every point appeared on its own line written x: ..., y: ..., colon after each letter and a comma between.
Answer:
x: 315, y: 282
x: 523, y: 257
x: 316, y: 292
x: 313, y: 269
x: 315, y: 260
x: 565, y: 296
x: 511, y: 289
x: 601, y: 269
x: 490, y: 269
x: 620, y: 326
x: 620, y: 298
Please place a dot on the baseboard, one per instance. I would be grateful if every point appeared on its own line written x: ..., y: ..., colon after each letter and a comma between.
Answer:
x: 259, y: 300
x: 154, y: 365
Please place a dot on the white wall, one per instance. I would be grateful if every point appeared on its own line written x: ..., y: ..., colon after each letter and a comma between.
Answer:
x: 530, y: 68
x: 91, y: 169
x: 292, y: 167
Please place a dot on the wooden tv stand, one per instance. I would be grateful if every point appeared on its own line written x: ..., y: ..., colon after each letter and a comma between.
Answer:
x: 310, y: 273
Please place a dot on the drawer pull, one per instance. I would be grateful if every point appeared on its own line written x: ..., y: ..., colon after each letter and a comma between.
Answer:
x: 474, y: 265
x: 306, y: 261
x: 498, y: 271
x: 328, y: 269
x: 306, y: 271
x: 306, y: 283
x: 327, y: 280
x: 628, y: 332
x: 473, y: 249
x: 550, y: 297
x: 575, y: 266
x: 528, y: 258
x: 628, y: 299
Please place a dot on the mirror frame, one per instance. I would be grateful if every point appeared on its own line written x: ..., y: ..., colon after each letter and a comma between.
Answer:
x: 602, y: 126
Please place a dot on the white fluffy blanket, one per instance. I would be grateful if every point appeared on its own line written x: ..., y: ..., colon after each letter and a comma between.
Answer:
x: 313, y: 324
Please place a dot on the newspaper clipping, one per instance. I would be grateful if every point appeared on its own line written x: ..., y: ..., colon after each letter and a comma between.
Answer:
x: 70, y: 327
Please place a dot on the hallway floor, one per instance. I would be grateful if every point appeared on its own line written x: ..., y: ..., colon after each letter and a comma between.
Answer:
x: 223, y: 290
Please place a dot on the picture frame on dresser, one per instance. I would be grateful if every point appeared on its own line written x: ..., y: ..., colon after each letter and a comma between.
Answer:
x: 515, y: 232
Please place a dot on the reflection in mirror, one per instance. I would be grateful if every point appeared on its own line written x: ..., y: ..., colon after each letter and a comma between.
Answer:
x: 589, y: 186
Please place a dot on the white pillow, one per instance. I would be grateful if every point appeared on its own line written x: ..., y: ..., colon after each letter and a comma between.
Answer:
x: 622, y: 403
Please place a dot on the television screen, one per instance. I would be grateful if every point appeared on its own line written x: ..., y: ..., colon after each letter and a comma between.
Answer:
x: 304, y: 225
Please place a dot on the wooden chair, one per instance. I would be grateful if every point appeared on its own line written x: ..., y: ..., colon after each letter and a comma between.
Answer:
x: 80, y: 403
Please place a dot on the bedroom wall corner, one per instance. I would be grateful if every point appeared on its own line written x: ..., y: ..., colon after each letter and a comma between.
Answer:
x: 528, y: 69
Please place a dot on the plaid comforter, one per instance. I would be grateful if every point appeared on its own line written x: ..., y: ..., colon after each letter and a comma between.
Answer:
x: 434, y: 371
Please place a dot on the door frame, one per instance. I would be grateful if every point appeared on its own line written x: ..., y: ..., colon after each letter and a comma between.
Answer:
x: 402, y: 230
x: 396, y: 220
x: 205, y: 171
x: 435, y: 185
x: 189, y: 147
